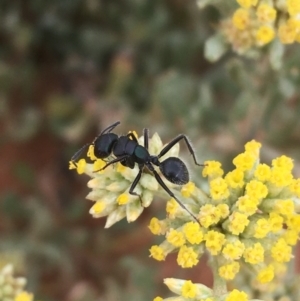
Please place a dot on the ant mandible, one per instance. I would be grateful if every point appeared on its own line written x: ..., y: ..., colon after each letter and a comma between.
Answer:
x: 128, y: 151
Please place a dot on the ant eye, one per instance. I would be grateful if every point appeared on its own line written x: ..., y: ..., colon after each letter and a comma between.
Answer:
x: 175, y: 171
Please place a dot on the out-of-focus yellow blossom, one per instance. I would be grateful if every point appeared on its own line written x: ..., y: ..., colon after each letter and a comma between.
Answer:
x: 11, y: 287
x: 265, y: 13
x: 233, y: 250
x: 264, y: 35
x: 236, y: 295
x: 247, y: 3
x: 255, y: 24
x: 24, y: 296
x: 254, y: 254
x: 293, y: 7
x: 241, y: 18
x: 229, y: 271
x: 266, y: 274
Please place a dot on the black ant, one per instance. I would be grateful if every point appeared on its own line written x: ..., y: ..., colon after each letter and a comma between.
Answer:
x: 128, y: 151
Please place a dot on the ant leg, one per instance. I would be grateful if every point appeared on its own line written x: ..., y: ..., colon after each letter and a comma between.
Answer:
x: 176, y: 140
x: 146, y: 138
x: 112, y: 162
x: 78, y: 153
x: 110, y: 128
x: 170, y: 193
x: 135, y: 182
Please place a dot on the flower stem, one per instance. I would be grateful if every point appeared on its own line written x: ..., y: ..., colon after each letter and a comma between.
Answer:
x: 219, y: 286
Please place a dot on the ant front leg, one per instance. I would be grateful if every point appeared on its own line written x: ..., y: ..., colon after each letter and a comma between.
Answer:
x: 76, y: 156
x: 135, y: 182
x: 112, y: 162
x: 176, y: 140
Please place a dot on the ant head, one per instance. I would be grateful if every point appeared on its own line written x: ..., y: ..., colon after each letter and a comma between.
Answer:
x: 175, y: 171
x: 103, y: 145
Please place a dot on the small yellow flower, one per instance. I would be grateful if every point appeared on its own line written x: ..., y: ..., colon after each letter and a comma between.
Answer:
x: 218, y: 189
x: 295, y: 187
x: 98, y: 164
x: 262, y: 172
x: 209, y: 215
x: 123, y: 199
x: 293, y: 222
x: 287, y: 33
x: 244, y: 161
x: 280, y: 177
x: 80, y: 166
x: 189, y: 290
x: 281, y: 251
x: 275, y: 222
x: 214, y: 241
x: 254, y: 254
x: 223, y: 209
x: 158, y: 299
x: 188, y: 189
x: 98, y: 207
x: 284, y: 207
x: 175, y: 238
x: 212, y: 169
x: 261, y: 228
x: 266, y: 275
x: 266, y: 13
x: 187, y: 257
x: 233, y: 250
x: 247, y: 3
x: 90, y: 153
x: 235, y: 178
x: 193, y: 233
x: 291, y: 237
x: 241, y: 19
x: 24, y: 296
x: 264, y: 35
x: 157, y: 253
x: 283, y: 162
x: 237, y: 223
x: 229, y: 271
x: 253, y: 147
x: 236, y: 295
x: 172, y: 207
x: 247, y: 205
x: 293, y: 7
x: 156, y: 227
x: 256, y: 190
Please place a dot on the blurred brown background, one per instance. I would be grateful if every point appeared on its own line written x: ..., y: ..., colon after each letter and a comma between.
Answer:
x: 70, y: 68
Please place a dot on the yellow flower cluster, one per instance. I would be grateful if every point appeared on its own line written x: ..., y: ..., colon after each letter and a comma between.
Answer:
x: 187, y: 290
x: 257, y: 23
x: 249, y: 217
x: 12, y: 288
x: 110, y: 187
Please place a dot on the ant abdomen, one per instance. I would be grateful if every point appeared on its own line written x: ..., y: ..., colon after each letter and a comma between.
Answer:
x: 175, y: 171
